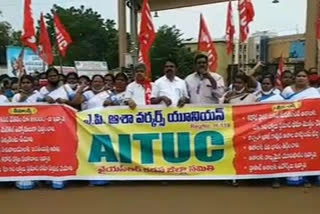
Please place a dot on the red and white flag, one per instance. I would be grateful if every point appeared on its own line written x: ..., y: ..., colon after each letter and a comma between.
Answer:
x: 205, y: 44
x: 45, y: 49
x: 246, y: 13
x: 230, y: 29
x: 147, y: 36
x: 279, y: 72
x: 28, y: 37
x: 62, y: 36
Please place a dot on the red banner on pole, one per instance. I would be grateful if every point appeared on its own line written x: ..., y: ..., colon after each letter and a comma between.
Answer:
x: 45, y: 49
x: 62, y: 36
x: 205, y: 44
x: 230, y: 29
x: 246, y: 13
x: 147, y: 36
x: 29, y: 36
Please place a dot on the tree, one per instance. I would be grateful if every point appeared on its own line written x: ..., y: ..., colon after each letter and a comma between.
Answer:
x: 7, y: 37
x: 93, y: 37
x: 169, y: 44
x: 16, y: 38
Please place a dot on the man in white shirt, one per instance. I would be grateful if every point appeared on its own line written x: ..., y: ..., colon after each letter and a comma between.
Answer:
x: 139, y: 91
x: 204, y: 87
x: 170, y: 89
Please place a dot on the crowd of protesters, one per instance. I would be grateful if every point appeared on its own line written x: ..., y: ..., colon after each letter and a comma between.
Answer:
x: 200, y: 87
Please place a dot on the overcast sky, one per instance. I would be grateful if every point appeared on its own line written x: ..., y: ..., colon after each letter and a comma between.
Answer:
x: 287, y: 17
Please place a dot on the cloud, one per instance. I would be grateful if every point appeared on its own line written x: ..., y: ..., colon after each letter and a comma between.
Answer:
x: 285, y: 18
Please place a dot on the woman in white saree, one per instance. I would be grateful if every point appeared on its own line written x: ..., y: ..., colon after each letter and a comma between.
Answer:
x: 27, y: 94
x: 66, y: 93
x: 239, y: 95
x: 118, y: 95
x: 52, y: 91
x: 268, y: 92
x: 299, y: 91
x: 93, y: 98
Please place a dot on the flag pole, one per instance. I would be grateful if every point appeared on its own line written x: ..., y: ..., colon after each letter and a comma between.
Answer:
x: 60, y: 62
x: 318, y: 55
x: 239, y: 41
x: 43, y: 66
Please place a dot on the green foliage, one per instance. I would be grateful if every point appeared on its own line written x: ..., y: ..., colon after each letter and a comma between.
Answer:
x: 169, y: 44
x: 7, y: 37
x: 93, y: 37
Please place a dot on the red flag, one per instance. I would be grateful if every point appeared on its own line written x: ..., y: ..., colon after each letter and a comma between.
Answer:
x: 29, y: 36
x: 205, y: 44
x: 246, y: 12
x: 62, y: 36
x: 230, y: 29
x: 147, y: 35
x: 45, y: 50
x: 279, y: 72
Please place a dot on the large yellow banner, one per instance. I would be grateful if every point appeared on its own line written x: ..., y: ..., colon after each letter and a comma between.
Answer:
x: 156, y: 142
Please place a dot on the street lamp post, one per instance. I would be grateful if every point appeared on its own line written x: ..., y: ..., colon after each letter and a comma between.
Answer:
x: 122, y: 32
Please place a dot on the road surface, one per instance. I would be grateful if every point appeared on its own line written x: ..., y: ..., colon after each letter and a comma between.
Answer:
x: 155, y: 197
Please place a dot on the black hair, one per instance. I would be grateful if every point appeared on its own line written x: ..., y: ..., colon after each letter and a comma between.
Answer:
x: 270, y: 77
x: 172, y: 60
x: 97, y: 75
x: 4, y: 76
x: 241, y: 76
x: 6, y: 82
x: 286, y: 72
x: 85, y: 77
x: 14, y: 80
x: 110, y: 75
x: 121, y: 74
x: 28, y: 77
x: 42, y: 74
x: 72, y: 74
x: 140, y: 66
x: 299, y: 71
x: 51, y: 69
x: 199, y: 56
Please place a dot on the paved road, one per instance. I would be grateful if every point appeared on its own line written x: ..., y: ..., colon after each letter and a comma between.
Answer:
x: 154, y: 198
